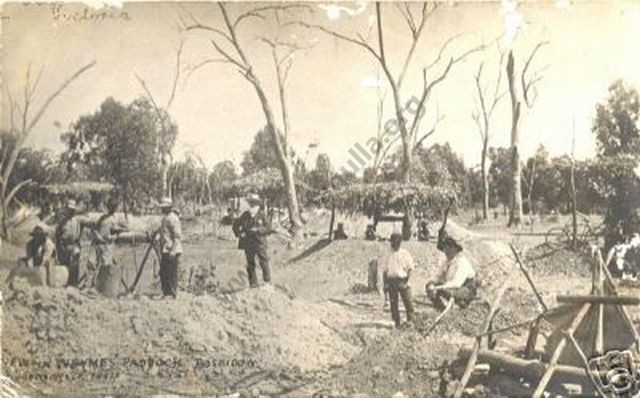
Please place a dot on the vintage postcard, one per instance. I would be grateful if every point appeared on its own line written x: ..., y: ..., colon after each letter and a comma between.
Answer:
x: 320, y: 199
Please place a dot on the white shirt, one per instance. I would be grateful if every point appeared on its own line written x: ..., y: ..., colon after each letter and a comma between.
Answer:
x: 459, y: 269
x: 398, y: 263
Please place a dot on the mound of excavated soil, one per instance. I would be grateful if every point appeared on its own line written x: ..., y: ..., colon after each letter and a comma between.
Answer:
x: 404, y: 361
x: 558, y: 262
x: 265, y: 325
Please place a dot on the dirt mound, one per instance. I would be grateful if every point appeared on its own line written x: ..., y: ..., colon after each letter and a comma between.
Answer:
x: 558, y: 262
x: 404, y: 361
x: 265, y: 325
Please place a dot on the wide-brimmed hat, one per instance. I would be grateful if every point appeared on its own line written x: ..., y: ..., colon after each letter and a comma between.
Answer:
x: 446, y: 240
x: 71, y: 204
x: 253, y: 198
x: 165, y: 202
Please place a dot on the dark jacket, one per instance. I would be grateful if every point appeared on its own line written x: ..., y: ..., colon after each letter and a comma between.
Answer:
x: 252, y: 231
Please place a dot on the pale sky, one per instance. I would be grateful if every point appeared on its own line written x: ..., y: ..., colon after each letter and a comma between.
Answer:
x: 217, y: 111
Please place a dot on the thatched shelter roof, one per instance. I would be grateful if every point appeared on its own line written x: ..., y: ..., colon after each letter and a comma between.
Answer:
x: 394, y: 196
x: 265, y: 180
x: 79, y: 187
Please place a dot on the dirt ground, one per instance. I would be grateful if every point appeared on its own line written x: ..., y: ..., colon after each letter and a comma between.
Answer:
x: 314, y: 332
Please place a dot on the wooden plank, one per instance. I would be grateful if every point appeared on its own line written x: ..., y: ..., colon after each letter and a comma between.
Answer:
x: 596, y: 299
x: 476, y: 345
x: 599, y: 343
x: 528, y: 277
x: 553, y: 363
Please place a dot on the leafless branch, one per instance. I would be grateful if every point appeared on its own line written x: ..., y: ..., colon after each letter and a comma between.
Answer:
x: 258, y: 11
x: 228, y: 56
x: 416, y: 32
x: 439, y: 118
x: 28, y: 126
x: 172, y: 95
x: 526, y: 85
x: 359, y: 42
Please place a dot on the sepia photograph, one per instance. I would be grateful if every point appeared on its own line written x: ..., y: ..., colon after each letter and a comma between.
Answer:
x: 320, y: 199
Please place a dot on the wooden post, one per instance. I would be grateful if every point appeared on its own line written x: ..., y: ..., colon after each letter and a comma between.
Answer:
x: 333, y: 218
x: 476, y: 345
x: 372, y: 282
x: 553, y: 363
x: 529, y: 280
x: 532, y: 340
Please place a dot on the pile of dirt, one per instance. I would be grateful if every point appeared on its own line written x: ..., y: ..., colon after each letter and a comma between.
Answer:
x: 267, y: 326
x: 404, y: 361
x: 558, y: 262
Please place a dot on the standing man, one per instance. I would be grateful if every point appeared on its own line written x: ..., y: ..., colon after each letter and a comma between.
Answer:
x: 251, y: 229
x: 458, y: 281
x: 170, y: 248
x: 68, y: 233
x: 396, y: 272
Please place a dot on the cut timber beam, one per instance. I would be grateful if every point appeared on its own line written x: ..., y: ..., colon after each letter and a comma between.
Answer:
x: 476, y: 345
x: 595, y: 299
x: 553, y: 363
x: 528, y: 368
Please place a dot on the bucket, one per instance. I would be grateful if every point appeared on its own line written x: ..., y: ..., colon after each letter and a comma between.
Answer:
x: 108, y: 280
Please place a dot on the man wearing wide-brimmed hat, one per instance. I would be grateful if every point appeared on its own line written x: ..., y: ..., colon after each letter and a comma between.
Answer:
x: 251, y: 229
x: 68, y: 233
x: 40, y: 248
x: 458, y: 281
x: 170, y: 247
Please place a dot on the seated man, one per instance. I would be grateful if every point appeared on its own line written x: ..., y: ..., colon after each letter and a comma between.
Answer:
x: 370, y: 233
x: 339, y: 233
x: 458, y: 281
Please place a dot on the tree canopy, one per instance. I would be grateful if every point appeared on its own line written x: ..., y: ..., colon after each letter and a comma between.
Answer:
x: 121, y: 144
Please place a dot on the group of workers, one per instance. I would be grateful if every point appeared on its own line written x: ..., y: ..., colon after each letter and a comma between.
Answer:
x: 457, y: 282
x: 63, y: 246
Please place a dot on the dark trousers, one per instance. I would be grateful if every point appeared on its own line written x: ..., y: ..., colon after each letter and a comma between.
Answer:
x: 399, y: 287
x: 251, y: 253
x: 72, y: 262
x: 169, y: 274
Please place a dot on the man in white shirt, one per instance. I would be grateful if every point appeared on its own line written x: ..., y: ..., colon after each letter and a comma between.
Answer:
x: 397, y: 269
x: 170, y: 247
x: 458, y: 281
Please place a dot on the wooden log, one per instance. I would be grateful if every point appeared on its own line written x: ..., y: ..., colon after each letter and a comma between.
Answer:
x: 553, y: 363
x: 610, y: 287
x: 527, y: 368
x: 528, y: 277
x: 617, y: 300
x: 493, y: 308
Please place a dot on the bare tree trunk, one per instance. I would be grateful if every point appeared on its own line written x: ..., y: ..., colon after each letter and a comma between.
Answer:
x: 485, y: 179
x: 515, y: 205
x: 574, y: 210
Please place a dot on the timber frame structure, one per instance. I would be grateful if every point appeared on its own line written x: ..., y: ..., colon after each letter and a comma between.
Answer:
x: 583, y: 327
